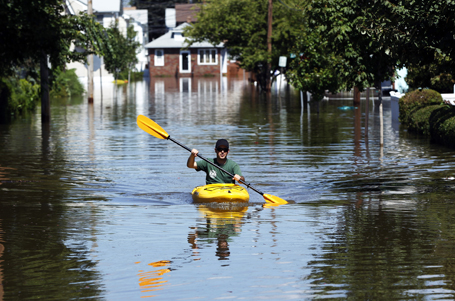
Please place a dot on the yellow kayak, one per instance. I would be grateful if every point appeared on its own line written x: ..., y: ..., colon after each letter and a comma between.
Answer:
x: 220, y: 193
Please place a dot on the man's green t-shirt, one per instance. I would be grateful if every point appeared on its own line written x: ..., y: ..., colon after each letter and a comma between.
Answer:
x: 215, y: 175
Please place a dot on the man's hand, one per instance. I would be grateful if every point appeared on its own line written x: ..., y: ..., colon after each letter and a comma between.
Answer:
x: 238, y: 178
x: 191, y: 163
x: 194, y: 152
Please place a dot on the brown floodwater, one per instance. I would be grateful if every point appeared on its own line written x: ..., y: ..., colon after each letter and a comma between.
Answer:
x: 92, y: 207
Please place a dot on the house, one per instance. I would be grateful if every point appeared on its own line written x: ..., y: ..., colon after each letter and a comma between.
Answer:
x: 107, y: 12
x: 168, y: 56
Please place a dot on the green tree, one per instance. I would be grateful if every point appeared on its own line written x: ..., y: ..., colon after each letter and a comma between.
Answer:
x: 354, y: 31
x: 314, y: 68
x: 121, y: 55
x: 40, y: 31
x: 433, y: 75
x: 242, y: 26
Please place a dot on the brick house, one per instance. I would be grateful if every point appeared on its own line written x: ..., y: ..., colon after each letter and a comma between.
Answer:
x: 167, y: 56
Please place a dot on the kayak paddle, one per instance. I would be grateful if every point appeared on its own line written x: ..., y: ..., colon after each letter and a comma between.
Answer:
x: 155, y: 130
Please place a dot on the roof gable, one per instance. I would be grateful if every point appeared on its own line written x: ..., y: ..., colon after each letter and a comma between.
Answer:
x: 175, y: 39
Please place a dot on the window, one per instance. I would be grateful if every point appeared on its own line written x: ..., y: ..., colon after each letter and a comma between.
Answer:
x: 207, y: 57
x: 159, y: 57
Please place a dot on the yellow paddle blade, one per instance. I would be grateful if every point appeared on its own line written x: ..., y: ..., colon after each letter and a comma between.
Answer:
x: 273, y: 199
x: 151, y: 127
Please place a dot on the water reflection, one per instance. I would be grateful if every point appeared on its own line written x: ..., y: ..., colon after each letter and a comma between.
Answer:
x: 151, y: 281
x: 368, y: 222
x: 2, y: 249
x: 222, y: 221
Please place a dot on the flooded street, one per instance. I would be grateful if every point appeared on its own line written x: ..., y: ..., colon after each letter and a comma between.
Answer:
x: 92, y: 207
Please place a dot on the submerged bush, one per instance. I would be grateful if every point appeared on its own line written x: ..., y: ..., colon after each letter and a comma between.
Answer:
x: 436, y: 121
x: 443, y: 126
x: 22, y: 95
x: 134, y: 75
x: 416, y: 100
x: 420, y: 121
x: 66, y: 84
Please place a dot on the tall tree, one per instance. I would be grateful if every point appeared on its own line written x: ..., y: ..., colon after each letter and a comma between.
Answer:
x: 39, y: 30
x: 313, y: 67
x: 242, y: 26
x: 121, y: 55
x: 374, y: 37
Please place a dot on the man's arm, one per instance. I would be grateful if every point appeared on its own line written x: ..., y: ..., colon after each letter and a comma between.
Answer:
x: 191, y: 163
x: 237, y: 174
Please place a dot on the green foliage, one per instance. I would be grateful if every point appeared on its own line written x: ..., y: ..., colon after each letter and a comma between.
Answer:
x: 443, y: 126
x: 436, y: 121
x: 242, y: 26
x: 66, y: 84
x: 416, y: 100
x: 419, y: 121
x: 23, y: 95
x: 31, y: 29
x: 314, y: 68
x: 133, y: 75
x: 433, y: 75
x: 354, y: 30
x: 121, y: 55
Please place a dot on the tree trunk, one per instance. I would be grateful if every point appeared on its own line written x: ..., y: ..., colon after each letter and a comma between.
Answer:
x: 45, y: 102
x: 356, y: 96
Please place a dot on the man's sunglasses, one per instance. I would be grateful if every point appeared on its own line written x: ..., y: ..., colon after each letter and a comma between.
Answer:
x: 222, y: 149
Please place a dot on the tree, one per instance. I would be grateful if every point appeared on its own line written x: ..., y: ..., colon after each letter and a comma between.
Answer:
x: 353, y: 30
x: 242, y: 26
x: 40, y: 31
x: 375, y: 37
x: 314, y: 68
x: 121, y: 55
x: 434, y: 75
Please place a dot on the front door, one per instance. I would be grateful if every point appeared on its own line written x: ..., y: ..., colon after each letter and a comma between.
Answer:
x: 185, y: 62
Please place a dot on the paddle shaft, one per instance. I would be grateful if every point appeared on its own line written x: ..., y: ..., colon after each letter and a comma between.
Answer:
x: 213, y: 164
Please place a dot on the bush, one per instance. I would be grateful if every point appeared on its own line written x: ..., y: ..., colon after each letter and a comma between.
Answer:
x: 420, y: 121
x: 443, y: 126
x: 22, y: 95
x: 134, y: 75
x: 416, y: 100
x: 66, y: 84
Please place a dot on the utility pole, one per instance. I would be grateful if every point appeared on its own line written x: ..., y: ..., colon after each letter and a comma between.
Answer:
x: 269, y: 48
x: 90, y: 61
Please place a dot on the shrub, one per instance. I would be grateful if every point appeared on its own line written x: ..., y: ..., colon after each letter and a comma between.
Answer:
x: 443, y: 126
x: 134, y: 75
x: 22, y: 95
x: 416, y: 100
x: 66, y: 84
x: 420, y: 121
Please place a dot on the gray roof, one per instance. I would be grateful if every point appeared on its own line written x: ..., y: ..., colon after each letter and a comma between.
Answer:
x: 168, y: 41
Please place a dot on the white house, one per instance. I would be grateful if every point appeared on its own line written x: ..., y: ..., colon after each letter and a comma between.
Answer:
x: 107, y: 12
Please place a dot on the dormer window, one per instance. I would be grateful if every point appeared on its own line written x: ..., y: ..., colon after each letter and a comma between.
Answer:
x: 178, y: 36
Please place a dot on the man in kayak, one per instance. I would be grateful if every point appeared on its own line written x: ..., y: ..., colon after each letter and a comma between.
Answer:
x: 215, y: 175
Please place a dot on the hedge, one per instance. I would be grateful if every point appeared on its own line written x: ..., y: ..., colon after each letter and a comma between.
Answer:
x: 424, y: 112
